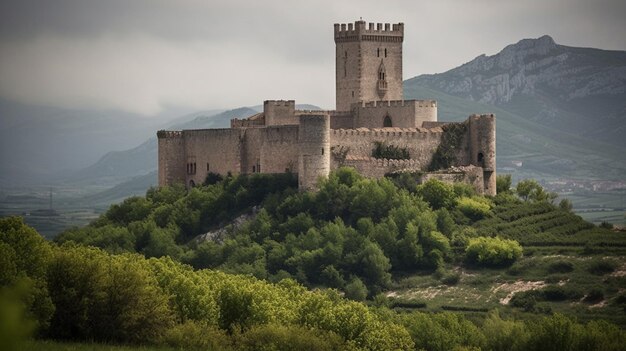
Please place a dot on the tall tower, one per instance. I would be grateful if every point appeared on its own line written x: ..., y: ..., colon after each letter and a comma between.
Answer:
x: 368, y: 63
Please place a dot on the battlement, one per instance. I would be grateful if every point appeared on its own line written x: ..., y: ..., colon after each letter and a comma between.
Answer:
x: 287, y: 103
x: 358, y: 31
x: 399, y: 103
x: 388, y: 132
x: 169, y: 134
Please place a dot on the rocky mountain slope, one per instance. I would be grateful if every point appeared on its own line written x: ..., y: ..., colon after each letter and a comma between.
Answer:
x: 581, y: 91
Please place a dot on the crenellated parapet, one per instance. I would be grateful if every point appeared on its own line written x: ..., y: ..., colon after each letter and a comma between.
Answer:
x: 169, y: 134
x: 359, y: 31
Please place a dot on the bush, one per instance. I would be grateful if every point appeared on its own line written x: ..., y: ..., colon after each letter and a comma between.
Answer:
x: 602, y: 266
x: 560, y: 267
x: 595, y: 295
x: 473, y: 208
x: 503, y: 183
x: 493, y: 251
x: 356, y: 290
x: 391, y: 152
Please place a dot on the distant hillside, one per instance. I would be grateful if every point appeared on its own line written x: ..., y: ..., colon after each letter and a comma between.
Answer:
x: 581, y: 91
x: 36, y: 142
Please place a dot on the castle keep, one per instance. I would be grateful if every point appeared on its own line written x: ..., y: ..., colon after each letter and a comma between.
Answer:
x: 373, y: 128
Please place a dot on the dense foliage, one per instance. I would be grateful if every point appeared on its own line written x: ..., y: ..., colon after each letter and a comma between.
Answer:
x: 127, y: 298
x: 493, y: 251
x: 390, y: 152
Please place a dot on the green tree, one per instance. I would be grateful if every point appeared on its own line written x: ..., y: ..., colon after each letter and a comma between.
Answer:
x: 356, y: 290
x: 437, y: 193
x: 503, y: 183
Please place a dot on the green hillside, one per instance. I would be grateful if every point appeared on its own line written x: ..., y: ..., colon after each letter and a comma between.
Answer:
x: 388, y: 240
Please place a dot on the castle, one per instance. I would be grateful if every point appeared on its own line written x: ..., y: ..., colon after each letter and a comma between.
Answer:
x: 373, y: 128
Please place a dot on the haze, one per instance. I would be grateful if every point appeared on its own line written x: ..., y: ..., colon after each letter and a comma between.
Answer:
x: 144, y: 56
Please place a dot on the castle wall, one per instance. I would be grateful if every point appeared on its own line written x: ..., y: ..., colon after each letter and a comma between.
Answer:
x: 279, y: 152
x: 470, y: 175
x: 402, y: 113
x: 218, y: 150
x: 171, y: 151
x: 341, y: 120
x: 280, y: 112
x: 359, y: 143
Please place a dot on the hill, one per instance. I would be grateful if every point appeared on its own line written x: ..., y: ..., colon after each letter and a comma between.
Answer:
x: 389, y: 240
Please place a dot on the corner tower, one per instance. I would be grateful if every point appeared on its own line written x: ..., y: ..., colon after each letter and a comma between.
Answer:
x: 368, y: 63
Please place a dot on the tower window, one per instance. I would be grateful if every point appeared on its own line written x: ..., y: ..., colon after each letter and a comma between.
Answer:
x: 352, y: 93
x: 481, y: 159
x: 387, y: 122
x: 378, y: 52
x: 385, y: 52
x: 253, y: 169
x: 322, y: 151
x: 207, y: 166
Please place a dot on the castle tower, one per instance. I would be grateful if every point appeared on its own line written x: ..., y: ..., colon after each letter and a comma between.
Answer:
x: 482, y: 134
x: 314, y: 150
x: 368, y: 63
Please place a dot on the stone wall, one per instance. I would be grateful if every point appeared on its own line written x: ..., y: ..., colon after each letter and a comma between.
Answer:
x: 471, y: 175
x: 280, y: 112
x: 313, y: 150
x: 211, y: 150
x: 171, y: 151
x: 402, y: 113
x: 279, y: 152
x: 360, y: 52
x: 359, y: 143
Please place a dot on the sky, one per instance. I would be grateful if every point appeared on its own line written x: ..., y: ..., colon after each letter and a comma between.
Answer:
x: 147, y: 56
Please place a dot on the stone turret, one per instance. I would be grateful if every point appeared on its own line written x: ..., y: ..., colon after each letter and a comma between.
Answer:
x: 368, y: 63
x: 482, y: 134
x: 314, y: 150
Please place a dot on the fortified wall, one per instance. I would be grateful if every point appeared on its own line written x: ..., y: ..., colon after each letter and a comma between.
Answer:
x: 371, y: 114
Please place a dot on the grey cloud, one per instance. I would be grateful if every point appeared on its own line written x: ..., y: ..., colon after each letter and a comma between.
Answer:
x: 140, y: 55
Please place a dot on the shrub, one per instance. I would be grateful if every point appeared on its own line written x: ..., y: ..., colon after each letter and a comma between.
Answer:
x: 473, y: 208
x: 602, y: 267
x: 595, y: 295
x: 503, y: 183
x: 560, y: 267
x: 356, y: 290
x: 437, y: 193
x: 391, y: 152
x: 493, y: 251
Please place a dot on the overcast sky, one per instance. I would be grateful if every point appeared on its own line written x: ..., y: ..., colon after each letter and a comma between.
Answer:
x: 144, y: 56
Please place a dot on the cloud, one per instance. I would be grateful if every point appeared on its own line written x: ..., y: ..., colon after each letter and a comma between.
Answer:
x: 142, y: 55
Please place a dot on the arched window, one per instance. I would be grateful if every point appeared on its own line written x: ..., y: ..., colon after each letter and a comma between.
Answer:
x: 387, y: 122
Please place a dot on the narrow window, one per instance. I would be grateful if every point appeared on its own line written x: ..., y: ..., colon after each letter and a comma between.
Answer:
x: 352, y: 93
x: 385, y: 52
x: 322, y: 151
x: 378, y: 52
x: 207, y: 167
x: 387, y: 122
x: 253, y: 169
x: 481, y: 158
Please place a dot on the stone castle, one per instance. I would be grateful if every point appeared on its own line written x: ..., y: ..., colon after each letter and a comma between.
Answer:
x: 373, y: 128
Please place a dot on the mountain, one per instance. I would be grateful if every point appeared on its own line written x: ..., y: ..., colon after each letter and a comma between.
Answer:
x: 38, y: 142
x: 581, y: 91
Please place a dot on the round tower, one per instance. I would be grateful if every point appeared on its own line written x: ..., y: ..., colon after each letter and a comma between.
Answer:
x: 483, y: 148
x: 314, y: 150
